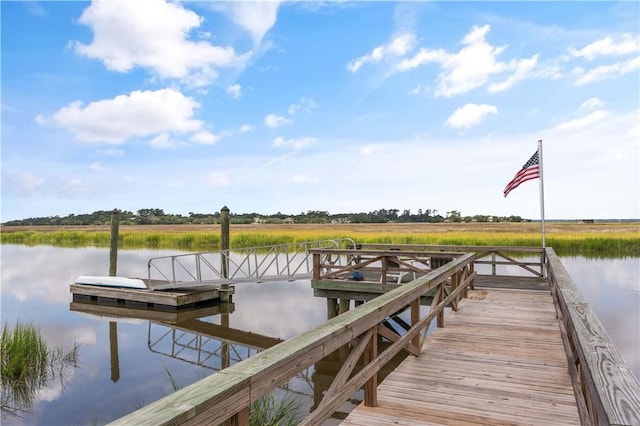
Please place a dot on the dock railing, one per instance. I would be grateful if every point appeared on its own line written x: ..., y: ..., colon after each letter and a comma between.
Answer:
x: 500, y: 260
x: 254, y: 264
x: 606, y: 390
x: 227, y: 395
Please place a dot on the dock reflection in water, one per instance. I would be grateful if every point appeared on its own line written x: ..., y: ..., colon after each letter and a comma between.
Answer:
x: 189, y: 335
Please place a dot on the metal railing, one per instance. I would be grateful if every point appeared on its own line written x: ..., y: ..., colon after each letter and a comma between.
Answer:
x: 283, y: 262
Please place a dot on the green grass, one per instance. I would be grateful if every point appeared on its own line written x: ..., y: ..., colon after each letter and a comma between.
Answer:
x: 604, y: 244
x: 28, y: 365
x: 269, y: 411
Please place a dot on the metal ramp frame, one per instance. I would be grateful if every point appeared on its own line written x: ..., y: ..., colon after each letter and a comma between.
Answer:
x: 283, y: 262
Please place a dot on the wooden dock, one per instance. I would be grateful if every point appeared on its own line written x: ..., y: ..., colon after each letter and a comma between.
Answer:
x: 162, y: 299
x: 499, y: 360
x: 532, y: 355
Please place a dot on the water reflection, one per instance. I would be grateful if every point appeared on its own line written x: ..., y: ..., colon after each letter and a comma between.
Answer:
x: 30, y: 368
x: 110, y: 381
x: 126, y: 356
x: 612, y: 288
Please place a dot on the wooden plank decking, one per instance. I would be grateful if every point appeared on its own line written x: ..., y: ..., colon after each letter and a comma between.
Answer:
x: 176, y: 298
x: 498, y: 360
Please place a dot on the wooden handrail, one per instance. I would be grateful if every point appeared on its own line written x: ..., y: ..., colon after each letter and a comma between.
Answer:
x: 229, y: 392
x: 607, y: 392
x: 451, y: 248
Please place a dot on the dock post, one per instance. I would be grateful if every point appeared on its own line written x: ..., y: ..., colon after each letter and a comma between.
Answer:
x: 113, y: 267
x: 113, y: 253
x: 344, y: 306
x: 332, y: 307
x: 224, y: 251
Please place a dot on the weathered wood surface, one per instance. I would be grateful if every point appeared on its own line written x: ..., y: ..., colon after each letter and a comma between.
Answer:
x: 499, y: 360
x: 523, y: 283
x: 174, y: 298
x: 219, y: 396
x: 611, y: 391
x: 449, y: 248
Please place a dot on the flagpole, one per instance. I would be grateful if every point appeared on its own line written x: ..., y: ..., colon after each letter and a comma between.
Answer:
x: 541, y: 192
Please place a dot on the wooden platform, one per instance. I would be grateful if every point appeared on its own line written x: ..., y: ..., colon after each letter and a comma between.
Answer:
x: 174, y: 316
x: 173, y: 299
x: 498, y: 360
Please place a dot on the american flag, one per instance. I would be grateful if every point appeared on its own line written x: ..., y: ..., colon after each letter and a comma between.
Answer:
x: 530, y: 170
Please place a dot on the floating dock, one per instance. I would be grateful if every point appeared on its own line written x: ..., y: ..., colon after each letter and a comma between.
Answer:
x: 161, y: 299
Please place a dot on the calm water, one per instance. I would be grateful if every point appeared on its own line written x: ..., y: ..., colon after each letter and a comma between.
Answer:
x: 112, y: 381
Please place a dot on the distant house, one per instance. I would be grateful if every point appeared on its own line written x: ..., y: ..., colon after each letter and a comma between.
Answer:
x: 587, y: 220
x: 257, y: 220
x: 288, y: 220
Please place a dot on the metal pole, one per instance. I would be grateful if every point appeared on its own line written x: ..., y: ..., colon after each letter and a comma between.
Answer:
x: 541, y: 192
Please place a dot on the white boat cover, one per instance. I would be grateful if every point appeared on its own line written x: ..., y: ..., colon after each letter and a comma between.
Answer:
x: 111, y: 281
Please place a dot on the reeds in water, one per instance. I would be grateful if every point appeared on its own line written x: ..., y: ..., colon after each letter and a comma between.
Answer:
x: 28, y: 365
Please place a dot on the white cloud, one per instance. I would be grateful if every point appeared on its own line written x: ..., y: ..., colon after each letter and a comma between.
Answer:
x: 397, y: 47
x: 298, y: 143
x: 522, y: 68
x: 23, y: 183
x: 256, y: 17
x: 303, y: 178
x: 111, y: 152
x: 205, y: 138
x: 472, y: 66
x: 626, y: 44
x: 77, y: 185
x: 125, y: 116
x: 153, y: 34
x: 163, y: 141
x: 591, y: 103
x: 304, y: 105
x: 368, y: 150
x: 604, y: 72
x: 98, y: 167
x: 274, y: 120
x: 419, y: 89
x: 470, y: 115
x: 235, y: 91
x: 176, y: 184
x: 217, y: 180
x: 579, y: 123
x: 245, y: 128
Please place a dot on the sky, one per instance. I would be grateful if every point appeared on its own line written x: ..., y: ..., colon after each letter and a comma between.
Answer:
x: 335, y: 106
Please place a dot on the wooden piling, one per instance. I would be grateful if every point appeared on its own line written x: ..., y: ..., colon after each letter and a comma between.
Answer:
x: 224, y: 251
x: 344, y: 306
x: 113, y: 267
x: 332, y: 308
x: 224, y: 239
x: 113, y: 253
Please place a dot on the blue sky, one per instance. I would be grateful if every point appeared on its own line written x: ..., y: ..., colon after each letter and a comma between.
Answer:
x: 339, y: 106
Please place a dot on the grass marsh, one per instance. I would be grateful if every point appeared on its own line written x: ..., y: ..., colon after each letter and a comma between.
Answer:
x: 567, y: 238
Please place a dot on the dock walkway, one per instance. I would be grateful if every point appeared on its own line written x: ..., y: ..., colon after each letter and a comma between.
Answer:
x: 499, y: 360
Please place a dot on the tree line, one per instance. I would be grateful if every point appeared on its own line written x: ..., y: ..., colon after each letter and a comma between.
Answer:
x: 159, y: 217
